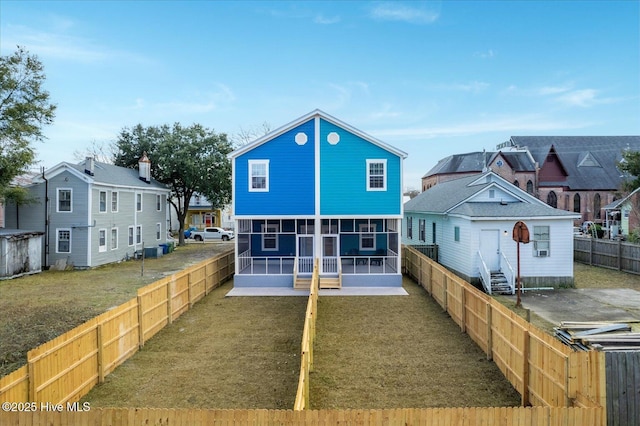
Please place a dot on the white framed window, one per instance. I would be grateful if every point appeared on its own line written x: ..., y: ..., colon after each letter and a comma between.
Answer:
x: 138, y: 202
x: 541, y: 240
x: 63, y: 241
x: 65, y: 200
x: 270, y: 237
x: 158, y: 202
x: 367, y: 236
x: 102, y: 240
x: 410, y: 227
x: 114, y: 238
x: 377, y: 175
x: 258, y: 175
x: 131, y: 240
x: 422, y: 230
x: 158, y: 230
x: 103, y: 201
x: 114, y: 201
x: 139, y: 234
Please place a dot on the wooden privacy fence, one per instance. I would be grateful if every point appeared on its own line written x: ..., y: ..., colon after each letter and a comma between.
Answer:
x: 64, y: 369
x: 308, y: 339
x: 543, y: 370
x: 506, y: 416
x: 607, y: 254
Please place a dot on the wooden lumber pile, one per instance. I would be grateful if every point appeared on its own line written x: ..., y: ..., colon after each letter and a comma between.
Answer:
x: 601, y: 336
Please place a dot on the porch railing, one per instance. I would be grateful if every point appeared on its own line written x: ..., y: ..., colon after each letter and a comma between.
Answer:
x: 369, y: 264
x: 330, y: 265
x: 305, y: 265
x: 485, y: 274
x: 508, y: 272
x: 266, y: 265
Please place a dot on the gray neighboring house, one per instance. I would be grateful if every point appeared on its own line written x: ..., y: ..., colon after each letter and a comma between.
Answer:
x: 471, y: 219
x: 94, y: 213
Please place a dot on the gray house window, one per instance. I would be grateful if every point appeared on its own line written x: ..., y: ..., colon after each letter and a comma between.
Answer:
x: 103, y: 201
x: 63, y: 243
x: 456, y: 233
x: 541, y: 239
x: 139, y: 234
x: 114, y: 201
x: 410, y: 228
x: 158, y: 230
x: 138, y: 202
x: 158, y: 202
x: 422, y: 232
x: 131, y: 235
x: 114, y: 238
x: 64, y: 199
x: 102, y: 240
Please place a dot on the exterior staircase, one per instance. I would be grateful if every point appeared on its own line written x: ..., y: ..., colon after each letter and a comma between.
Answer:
x: 330, y: 282
x: 301, y: 283
x: 499, y: 283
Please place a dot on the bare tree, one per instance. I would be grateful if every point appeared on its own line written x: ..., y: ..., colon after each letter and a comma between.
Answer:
x: 100, y: 151
x: 245, y: 136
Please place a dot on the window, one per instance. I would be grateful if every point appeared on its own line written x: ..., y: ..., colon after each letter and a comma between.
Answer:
x: 63, y: 241
x: 492, y: 193
x: 131, y: 235
x: 376, y: 175
x: 270, y: 237
x: 421, y: 230
x: 158, y: 202
x: 138, y: 202
x: 114, y: 238
x: 596, y: 206
x: 552, y: 199
x: 456, y: 233
x: 258, y: 175
x: 64, y: 200
x: 102, y: 240
x: 410, y: 227
x: 516, y: 183
x: 114, y: 201
x: 158, y: 230
x: 103, y: 201
x: 433, y: 233
x: 530, y: 187
x: 367, y: 236
x: 541, y: 241
x: 138, y: 234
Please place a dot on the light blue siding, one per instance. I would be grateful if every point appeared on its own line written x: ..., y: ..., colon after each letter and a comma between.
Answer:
x: 343, y: 176
x: 291, y: 176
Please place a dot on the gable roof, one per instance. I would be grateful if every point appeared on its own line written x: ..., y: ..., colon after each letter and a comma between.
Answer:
x: 106, y: 174
x: 455, y: 197
x: 618, y: 203
x: 470, y: 162
x: 591, y: 162
x: 313, y: 114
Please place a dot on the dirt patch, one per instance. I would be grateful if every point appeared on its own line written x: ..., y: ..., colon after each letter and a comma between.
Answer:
x: 37, y: 308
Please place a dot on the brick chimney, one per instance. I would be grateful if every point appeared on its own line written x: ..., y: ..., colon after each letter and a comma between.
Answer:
x: 144, y: 168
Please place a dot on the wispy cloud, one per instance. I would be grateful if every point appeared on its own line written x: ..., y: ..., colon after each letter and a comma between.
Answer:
x: 513, y: 124
x: 565, y: 94
x: 325, y: 20
x: 486, y: 55
x: 472, y: 86
x: 193, y: 103
x: 397, y: 11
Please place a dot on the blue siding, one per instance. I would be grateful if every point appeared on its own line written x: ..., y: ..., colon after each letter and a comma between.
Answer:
x: 291, y: 176
x: 343, y: 176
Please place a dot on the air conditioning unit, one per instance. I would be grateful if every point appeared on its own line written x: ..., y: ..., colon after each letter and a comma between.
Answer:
x: 542, y: 253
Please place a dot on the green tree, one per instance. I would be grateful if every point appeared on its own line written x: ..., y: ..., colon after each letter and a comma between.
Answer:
x: 189, y: 160
x: 24, y: 109
x: 630, y: 164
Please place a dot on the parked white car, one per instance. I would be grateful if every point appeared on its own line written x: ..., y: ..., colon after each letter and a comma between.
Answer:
x: 212, y: 233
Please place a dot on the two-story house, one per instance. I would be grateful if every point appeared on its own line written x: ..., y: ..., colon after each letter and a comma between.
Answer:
x: 94, y: 213
x: 317, y: 188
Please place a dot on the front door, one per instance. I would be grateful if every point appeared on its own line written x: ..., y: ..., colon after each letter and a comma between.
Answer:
x: 305, y: 254
x: 329, y: 254
x: 490, y: 248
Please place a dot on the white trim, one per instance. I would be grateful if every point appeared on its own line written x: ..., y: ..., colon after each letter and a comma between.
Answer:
x: 135, y: 202
x: 138, y: 234
x: 58, y: 200
x: 365, y: 229
x: 115, y: 228
x: 265, y: 230
x: 250, y: 164
x: 106, y: 207
x: 102, y: 247
x: 158, y: 202
x: 382, y: 161
x: 158, y: 231
x: 117, y: 194
x: 131, y: 232
x: 58, y: 239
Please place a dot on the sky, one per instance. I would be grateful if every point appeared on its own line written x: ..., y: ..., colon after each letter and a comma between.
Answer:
x: 432, y: 78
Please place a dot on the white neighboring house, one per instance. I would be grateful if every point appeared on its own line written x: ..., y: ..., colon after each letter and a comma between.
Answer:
x: 471, y: 220
x: 94, y: 213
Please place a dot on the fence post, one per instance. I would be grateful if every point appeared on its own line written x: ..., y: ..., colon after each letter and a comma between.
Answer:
x: 591, y: 251
x: 169, y: 301
x: 525, y: 369
x: 140, y: 325
x: 189, y: 292
x: 489, y: 335
x: 445, y: 292
x: 100, y: 354
x: 31, y: 371
x: 619, y: 255
x: 463, y: 310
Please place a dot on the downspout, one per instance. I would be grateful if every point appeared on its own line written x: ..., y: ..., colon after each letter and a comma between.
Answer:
x: 46, y: 221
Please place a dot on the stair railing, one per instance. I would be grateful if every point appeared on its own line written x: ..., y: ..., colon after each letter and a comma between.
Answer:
x: 507, y: 270
x: 485, y: 274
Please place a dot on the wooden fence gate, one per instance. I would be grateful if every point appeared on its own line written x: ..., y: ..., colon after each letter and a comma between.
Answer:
x: 623, y: 388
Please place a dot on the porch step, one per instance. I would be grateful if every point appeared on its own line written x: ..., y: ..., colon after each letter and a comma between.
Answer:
x: 302, y: 283
x: 499, y: 283
x: 330, y: 282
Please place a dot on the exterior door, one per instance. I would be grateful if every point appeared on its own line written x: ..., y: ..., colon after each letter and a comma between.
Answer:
x: 305, y: 254
x: 490, y: 248
x: 330, y: 254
